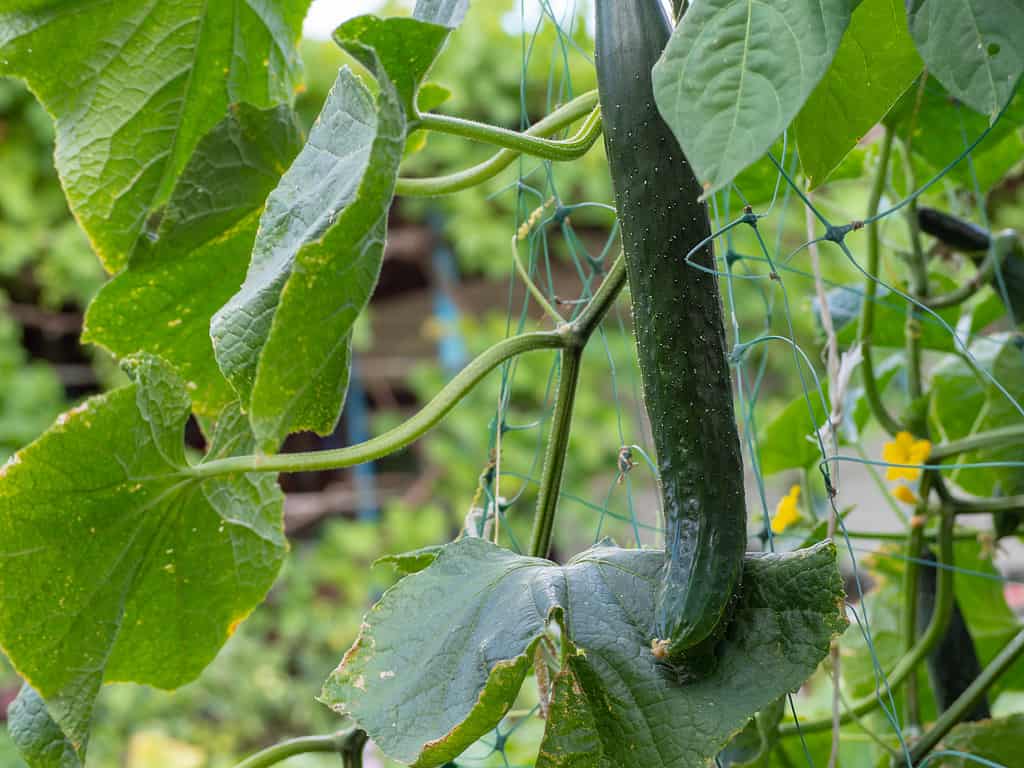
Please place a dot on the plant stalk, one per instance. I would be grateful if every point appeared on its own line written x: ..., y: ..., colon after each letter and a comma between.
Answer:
x: 993, y: 438
x: 349, y: 744
x: 537, y: 146
x: 561, y: 118
x: 554, y: 459
x: 969, y: 698
x: 867, y: 313
x: 402, y: 435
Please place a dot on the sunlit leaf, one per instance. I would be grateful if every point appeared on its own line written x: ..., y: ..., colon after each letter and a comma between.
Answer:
x: 735, y: 74
x: 874, y: 65
x: 163, y: 301
x: 134, y: 86
x: 119, y: 563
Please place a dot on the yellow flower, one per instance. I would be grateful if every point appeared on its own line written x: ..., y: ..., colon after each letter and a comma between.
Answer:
x: 786, y: 512
x: 904, y: 494
x: 905, y: 450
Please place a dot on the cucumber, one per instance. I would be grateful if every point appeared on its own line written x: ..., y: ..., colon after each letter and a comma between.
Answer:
x: 680, y: 336
x: 953, y: 664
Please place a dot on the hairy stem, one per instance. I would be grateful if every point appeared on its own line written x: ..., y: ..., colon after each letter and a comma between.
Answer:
x: 558, y: 441
x: 969, y: 698
x: 537, y: 146
x: 554, y: 459
x: 561, y: 118
x: 867, y: 313
x: 403, y: 434
x: 343, y: 743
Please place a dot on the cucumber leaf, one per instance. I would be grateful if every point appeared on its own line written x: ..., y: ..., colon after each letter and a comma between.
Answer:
x: 458, y: 670
x: 134, y: 86
x: 117, y: 562
x: 975, y: 48
x: 284, y: 339
x: 875, y: 64
x: 163, y: 301
x: 734, y: 74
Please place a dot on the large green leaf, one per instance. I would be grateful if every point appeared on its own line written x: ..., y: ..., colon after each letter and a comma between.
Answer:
x: 119, y: 563
x: 163, y: 301
x: 39, y: 739
x: 963, y: 403
x: 999, y: 740
x: 735, y: 74
x: 135, y: 84
x: 283, y: 340
x: 975, y: 48
x: 874, y: 65
x: 441, y: 657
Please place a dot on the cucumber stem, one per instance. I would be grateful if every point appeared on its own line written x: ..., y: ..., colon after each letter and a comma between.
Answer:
x: 349, y: 744
x: 433, y: 186
x: 968, y: 699
x: 867, y: 314
x: 546, y: 149
x: 554, y: 459
x: 402, y: 435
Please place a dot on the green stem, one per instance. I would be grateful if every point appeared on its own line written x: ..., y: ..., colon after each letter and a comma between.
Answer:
x: 561, y: 118
x: 546, y: 149
x: 531, y: 286
x: 995, y: 438
x: 986, y: 505
x: 867, y: 314
x: 909, y: 661
x: 603, y: 299
x: 969, y: 698
x: 915, y: 544
x: 345, y: 743
x: 918, y: 289
x: 404, y: 433
x: 1004, y: 245
x: 554, y: 460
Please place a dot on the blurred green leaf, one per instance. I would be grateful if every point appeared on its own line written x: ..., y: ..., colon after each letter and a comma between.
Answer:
x: 974, y: 47
x: 874, y: 65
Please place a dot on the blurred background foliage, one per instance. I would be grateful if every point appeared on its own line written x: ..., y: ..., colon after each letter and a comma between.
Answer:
x: 262, y: 686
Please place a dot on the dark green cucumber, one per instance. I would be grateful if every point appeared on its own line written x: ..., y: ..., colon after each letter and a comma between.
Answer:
x: 680, y: 336
x: 953, y: 663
